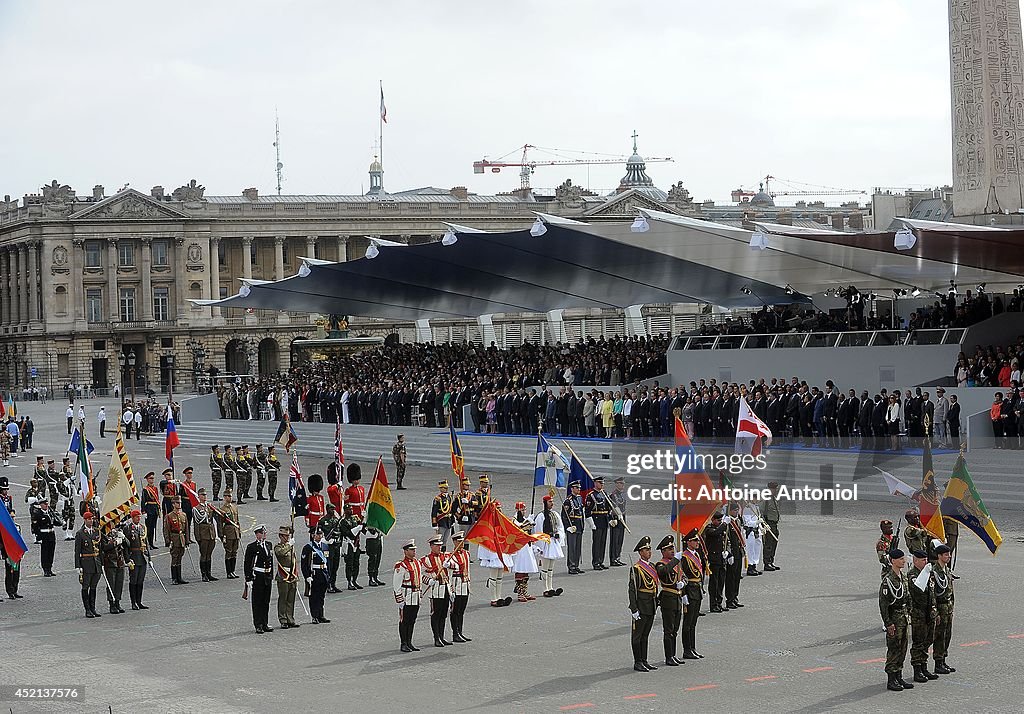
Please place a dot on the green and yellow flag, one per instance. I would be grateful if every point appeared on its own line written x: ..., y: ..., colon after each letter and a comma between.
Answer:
x: 380, y: 508
x: 962, y: 503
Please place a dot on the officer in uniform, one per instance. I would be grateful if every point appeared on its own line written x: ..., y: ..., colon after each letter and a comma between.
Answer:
x: 230, y: 533
x: 273, y: 466
x: 206, y: 535
x: 43, y: 523
x: 351, y: 527
x: 923, y: 615
x: 216, y: 470
x: 458, y: 583
x: 914, y: 536
x: 136, y: 538
x: 331, y: 526
x: 596, y: 509
x: 48, y: 489
x: 434, y: 568
x: 737, y: 554
x: 692, y: 566
x: 617, y: 521
x: 463, y: 507
x: 573, y: 515
x: 884, y: 544
x: 186, y: 487
x: 260, y: 464
x: 643, y: 593
x: 176, y: 536
x: 406, y: 584
x: 243, y: 464
x: 771, y: 514
x: 893, y: 602
x: 355, y: 494
x: 287, y: 577
x: 67, y: 487
x: 151, y: 507
x: 258, y: 566
x: 229, y: 468
x: 168, y: 491
x: 442, y: 516
x: 943, y: 578
x: 374, y: 547
x: 398, y: 453
x: 112, y: 544
x: 482, y: 496
x: 670, y: 597
x: 316, y: 567
x: 715, y: 548
x: 87, y: 561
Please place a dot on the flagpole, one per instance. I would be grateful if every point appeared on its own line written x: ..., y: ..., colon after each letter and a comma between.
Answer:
x: 380, y: 123
x: 533, y: 498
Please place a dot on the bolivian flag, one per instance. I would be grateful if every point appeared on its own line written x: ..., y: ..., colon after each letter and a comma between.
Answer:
x: 380, y: 508
x: 962, y: 503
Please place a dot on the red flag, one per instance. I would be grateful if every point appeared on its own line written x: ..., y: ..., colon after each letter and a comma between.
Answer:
x: 750, y: 430
x: 192, y: 496
x: 3, y: 411
x: 171, y: 441
x: 695, y: 504
x: 495, y: 531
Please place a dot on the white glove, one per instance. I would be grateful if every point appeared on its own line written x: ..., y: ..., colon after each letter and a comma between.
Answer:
x: 730, y: 560
x: 635, y: 615
x: 681, y: 585
x: 357, y: 530
x: 571, y: 529
x: 727, y: 520
x: 309, y: 581
x: 248, y: 583
x: 291, y: 541
x: 686, y: 600
x: 613, y: 523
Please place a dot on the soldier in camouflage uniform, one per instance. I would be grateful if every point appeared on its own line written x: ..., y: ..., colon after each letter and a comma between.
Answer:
x: 331, y: 526
x: 893, y: 602
x: 884, y: 544
x: 923, y: 615
x: 943, y: 578
x: 914, y: 535
x: 67, y: 488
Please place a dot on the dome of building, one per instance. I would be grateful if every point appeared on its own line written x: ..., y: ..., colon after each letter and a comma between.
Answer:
x: 636, y: 177
x: 376, y: 165
x: 762, y: 198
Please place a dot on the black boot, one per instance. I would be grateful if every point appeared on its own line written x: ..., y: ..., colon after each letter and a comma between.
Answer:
x: 926, y: 673
x: 919, y: 675
x: 893, y: 684
x: 133, y: 595
x: 203, y: 569
x: 209, y: 572
x: 941, y: 668
x: 901, y: 680
x: 85, y: 603
x: 92, y: 603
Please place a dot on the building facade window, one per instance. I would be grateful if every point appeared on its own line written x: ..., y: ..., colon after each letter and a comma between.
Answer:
x: 127, y: 302
x: 93, y: 254
x: 284, y: 253
x: 254, y: 254
x: 160, y: 258
x: 161, y: 304
x: 61, y: 295
x: 126, y: 254
x: 94, y: 305
x: 223, y: 292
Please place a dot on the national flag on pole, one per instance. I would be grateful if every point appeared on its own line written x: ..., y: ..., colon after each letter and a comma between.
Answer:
x: 14, y: 544
x: 458, y: 462
x: 380, y: 508
x: 171, y: 442
x: 750, y: 430
x: 296, y: 489
x: 3, y: 410
x: 119, y: 491
x: 963, y: 503
x: 338, y: 448
x: 83, y: 471
x: 383, y: 109
x: 12, y: 406
x: 694, y: 505
x: 494, y: 531
x: 928, y: 497
x: 896, y: 487
x: 190, y: 493
x: 578, y: 471
x: 551, y: 465
x: 286, y: 436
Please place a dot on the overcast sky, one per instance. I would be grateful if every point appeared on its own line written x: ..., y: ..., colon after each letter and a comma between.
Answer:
x: 829, y: 93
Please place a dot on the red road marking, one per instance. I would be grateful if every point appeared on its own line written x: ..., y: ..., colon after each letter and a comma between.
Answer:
x: 581, y: 705
x: 761, y: 679
x: 975, y: 644
x: 1016, y: 637
x: 818, y: 669
x: 641, y: 696
x: 871, y: 661
x: 701, y: 686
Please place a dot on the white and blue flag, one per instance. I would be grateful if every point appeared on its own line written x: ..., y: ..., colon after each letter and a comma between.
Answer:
x: 551, y: 465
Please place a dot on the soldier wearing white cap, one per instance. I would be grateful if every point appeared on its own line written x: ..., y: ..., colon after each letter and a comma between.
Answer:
x: 406, y: 583
x: 434, y: 567
x: 458, y: 576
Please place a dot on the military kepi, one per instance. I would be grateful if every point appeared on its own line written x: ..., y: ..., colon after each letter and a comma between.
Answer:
x: 666, y: 542
x: 645, y: 542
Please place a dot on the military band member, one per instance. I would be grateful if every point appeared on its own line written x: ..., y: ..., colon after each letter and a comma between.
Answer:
x: 399, y: 454
x: 87, y: 561
x: 176, y: 537
x: 923, y: 615
x: 643, y: 593
x: 331, y: 526
x: 112, y: 543
x: 943, y: 578
x: 670, y: 597
x: 374, y: 545
x: 205, y: 526
x: 434, y: 568
x: 287, y: 577
x: 315, y: 505
x: 617, y: 522
x: 258, y: 566
x: 893, y: 602
x: 168, y: 491
x: 151, y: 507
x: 350, y: 529
x: 273, y: 466
x: 573, y: 515
x: 596, y: 508
x: 355, y: 494
x: 230, y: 533
x: 549, y: 550
x: 406, y: 583
x: 692, y: 567
x: 737, y: 556
x: 136, y: 537
x: 464, y: 511
x: 771, y: 514
x: 216, y: 470
x: 459, y: 583
x: 67, y: 487
x: 229, y: 468
x: 442, y: 516
x: 259, y: 462
x: 884, y: 544
x: 43, y: 523
x: 316, y: 566
x: 915, y: 537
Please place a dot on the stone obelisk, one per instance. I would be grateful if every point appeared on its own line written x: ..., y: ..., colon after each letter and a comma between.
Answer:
x: 987, y: 82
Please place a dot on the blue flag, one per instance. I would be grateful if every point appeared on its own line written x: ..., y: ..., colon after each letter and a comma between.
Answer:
x: 550, y: 467
x: 76, y: 443
x: 579, y: 472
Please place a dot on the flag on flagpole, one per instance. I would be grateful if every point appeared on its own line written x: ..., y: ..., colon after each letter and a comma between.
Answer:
x: 296, y: 489
x: 895, y: 486
x: 383, y: 109
x: 458, y: 462
x: 750, y: 431
x: 551, y: 466
x: 928, y: 497
x: 117, y: 493
x: 963, y: 504
x: 338, y: 448
x: 3, y: 410
x: 286, y: 436
x: 82, y: 468
x: 14, y: 545
x: 694, y: 505
x: 12, y: 406
x: 171, y: 441
x: 496, y: 532
x: 578, y: 471
x: 380, y: 508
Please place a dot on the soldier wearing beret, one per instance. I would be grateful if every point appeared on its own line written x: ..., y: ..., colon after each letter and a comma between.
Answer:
x: 884, y: 544
x: 943, y: 578
x: 643, y: 593
x: 893, y: 603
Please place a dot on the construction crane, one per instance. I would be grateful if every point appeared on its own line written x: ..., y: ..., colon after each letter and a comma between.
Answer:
x: 527, y: 166
x: 824, y: 190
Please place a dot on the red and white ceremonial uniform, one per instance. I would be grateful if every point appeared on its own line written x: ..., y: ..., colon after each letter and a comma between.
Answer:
x: 407, y: 581
x: 434, y: 568
x: 315, y: 510
x: 355, y: 496
x: 458, y: 572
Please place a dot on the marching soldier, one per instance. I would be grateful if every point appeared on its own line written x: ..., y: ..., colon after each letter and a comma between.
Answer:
x: 287, y: 577
x: 331, y: 526
x: 374, y: 548
x: 893, y: 601
x: 216, y: 470
x: 230, y: 533
x: 273, y: 466
x: 259, y: 577
x: 43, y: 522
x: 670, y: 597
x: 350, y: 529
x: 151, y: 506
x: 596, y: 509
x: 315, y: 565
x: 228, y: 461
x: 884, y: 544
x: 434, y: 568
x: 550, y: 549
x: 737, y: 554
x: 464, y: 510
x: 260, y: 464
x: 406, y: 583
x: 355, y: 494
x: 617, y: 522
x: 943, y: 578
x: 458, y: 579
x: 114, y: 562
x: 714, y: 546
x: 206, y: 535
x: 643, y: 593
x: 923, y: 614
x: 87, y: 561
x: 136, y: 543
x: 398, y: 452
x: 176, y: 537
x: 572, y: 518
x: 914, y: 536
x: 442, y: 516
x: 692, y: 567
x: 168, y: 491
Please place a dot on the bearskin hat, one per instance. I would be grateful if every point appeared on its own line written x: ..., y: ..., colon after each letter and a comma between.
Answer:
x: 354, y: 473
x: 316, y: 483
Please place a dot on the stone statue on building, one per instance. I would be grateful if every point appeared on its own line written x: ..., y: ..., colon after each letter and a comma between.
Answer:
x: 568, y: 192
x: 678, y: 195
x: 337, y: 326
x: 189, y: 193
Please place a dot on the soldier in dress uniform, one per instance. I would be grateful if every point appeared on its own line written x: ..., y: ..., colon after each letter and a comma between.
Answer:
x: 136, y: 537
x: 442, y: 515
x: 53, y: 483
x: 406, y: 583
x: 355, y: 494
x: 481, y: 497
x: 5, y: 494
x: 331, y: 526
x: 771, y: 514
x: 67, y: 488
x: 316, y: 567
x: 643, y: 594
x: 596, y: 509
x: 243, y: 465
x: 48, y: 489
x: 915, y: 537
x: 315, y: 505
x: 350, y: 529
x: 943, y: 578
x: 884, y: 544
x: 205, y: 526
x: 228, y: 460
x: 151, y: 507
x: 737, y: 547
x: 374, y: 545
x: 259, y: 462
x: 176, y: 537
x: 573, y: 515
x: 617, y: 521
x: 273, y: 466
x: 35, y: 495
x: 715, y: 538
x: 670, y: 597
x: 893, y: 602
x: 398, y: 453
x: 923, y: 614
x: 258, y: 566
x: 434, y: 568
x: 12, y: 570
x: 550, y: 549
x: 168, y: 491
x: 458, y: 583
x: 112, y: 543
x: 43, y: 523
x: 692, y: 566
x: 464, y: 511
x: 188, y: 489
x: 216, y: 470
x: 230, y: 533
x: 87, y: 561
x: 287, y: 577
